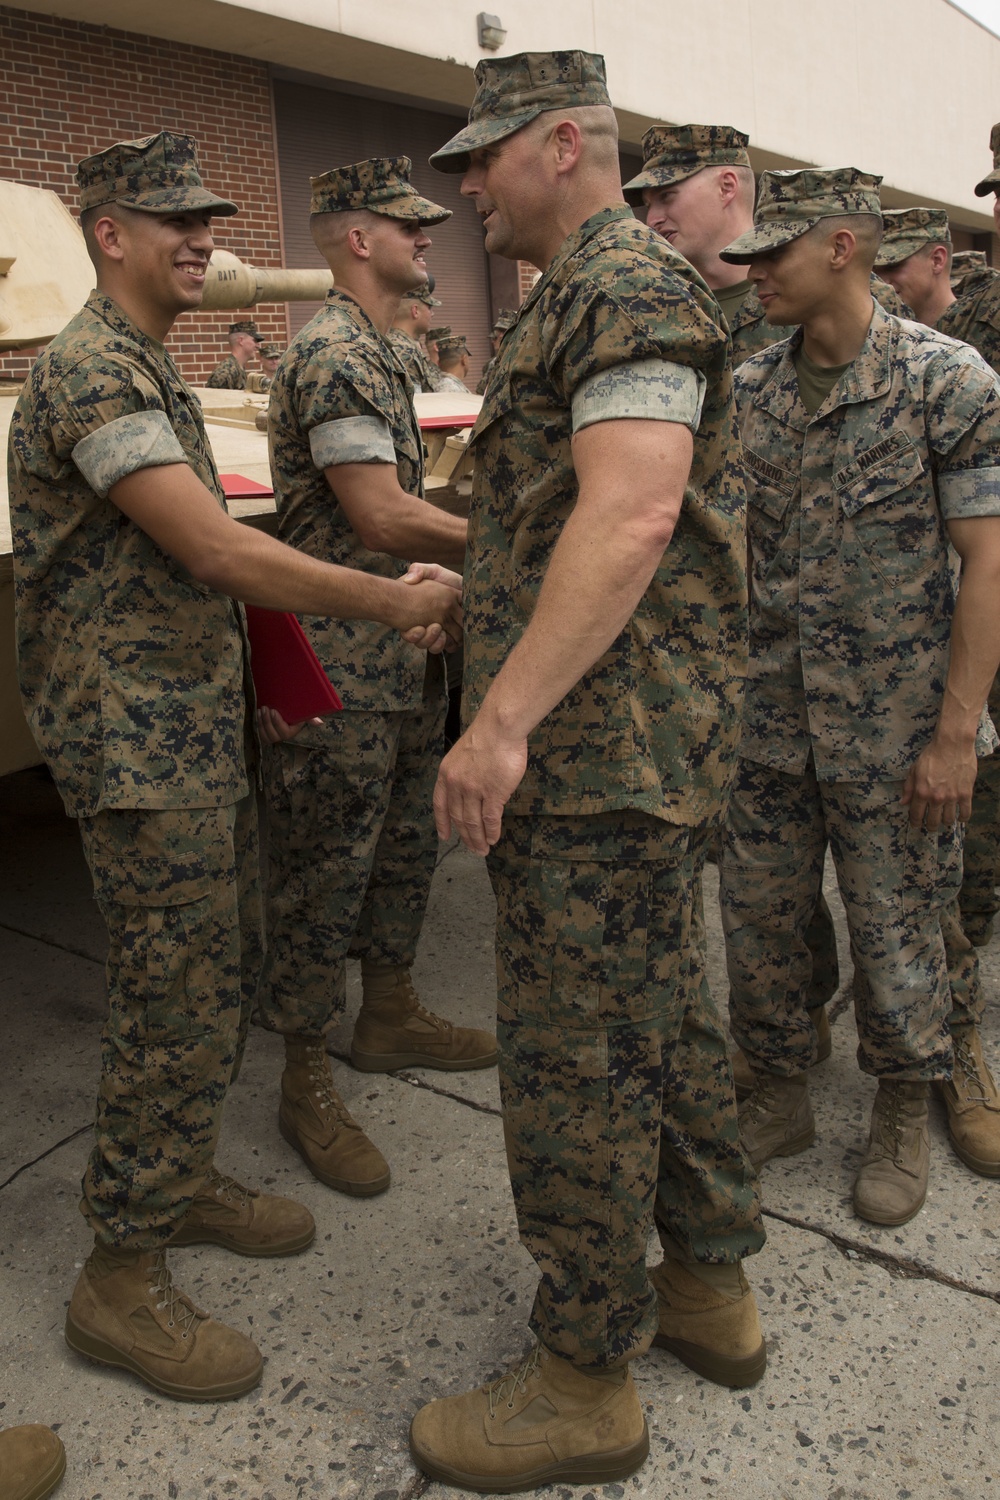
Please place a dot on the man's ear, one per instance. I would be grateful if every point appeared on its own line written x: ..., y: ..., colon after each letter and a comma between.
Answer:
x: 567, y: 139
x: 359, y: 242
x: 109, y: 236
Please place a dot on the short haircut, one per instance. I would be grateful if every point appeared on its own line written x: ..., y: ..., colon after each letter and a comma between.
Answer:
x: 866, y: 229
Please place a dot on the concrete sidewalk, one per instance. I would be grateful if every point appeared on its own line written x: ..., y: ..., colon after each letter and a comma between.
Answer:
x: 883, y: 1345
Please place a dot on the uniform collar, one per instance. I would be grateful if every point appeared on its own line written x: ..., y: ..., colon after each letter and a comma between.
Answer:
x: 868, y: 377
x: 109, y: 312
x: 571, y: 244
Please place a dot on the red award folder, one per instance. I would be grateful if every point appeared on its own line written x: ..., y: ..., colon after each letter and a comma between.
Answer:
x: 286, y: 671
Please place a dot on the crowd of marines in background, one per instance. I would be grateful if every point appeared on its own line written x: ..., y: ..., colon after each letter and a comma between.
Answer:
x: 853, y: 449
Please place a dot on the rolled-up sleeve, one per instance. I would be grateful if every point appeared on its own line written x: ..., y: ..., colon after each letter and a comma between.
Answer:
x: 655, y: 390
x: 352, y: 440
x: 138, y: 440
x: 967, y: 493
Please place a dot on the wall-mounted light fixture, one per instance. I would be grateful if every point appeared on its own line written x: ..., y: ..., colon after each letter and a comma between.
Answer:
x: 491, y: 31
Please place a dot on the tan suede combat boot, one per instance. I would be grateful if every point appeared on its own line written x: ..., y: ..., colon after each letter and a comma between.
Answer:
x: 314, y: 1119
x: 743, y: 1075
x: 972, y: 1100
x: 777, y: 1118
x: 545, y: 1421
x: 32, y: 1462
x: 125, y: 1311
x: 892, y: 1184
x: 224, y: 1212
x: 708, y: 1319
x: 394, y: 1030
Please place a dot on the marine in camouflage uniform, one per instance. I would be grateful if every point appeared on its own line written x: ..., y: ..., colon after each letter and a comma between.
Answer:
x: 916, y: 255
x: 851, y: 499
x: 715, y: 205
x: 615, y: 1085
x: 505, y: 321
x: 352, y: 844
x: 230, y: 374
x: 423, y: 373
x: 133, y: 680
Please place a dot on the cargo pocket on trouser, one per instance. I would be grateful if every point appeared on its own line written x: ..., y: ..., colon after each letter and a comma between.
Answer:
x: 166, y: 883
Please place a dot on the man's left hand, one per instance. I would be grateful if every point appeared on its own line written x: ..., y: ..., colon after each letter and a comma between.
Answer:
x: 476, y: 779
x: 274, y: 730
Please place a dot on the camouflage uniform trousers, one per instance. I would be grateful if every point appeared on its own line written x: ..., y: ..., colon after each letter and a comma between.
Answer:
x: 352, y: 848
x: 180, y: 892
x: 981, y: 861
x: 615, y: 1080
x: 916, y: 972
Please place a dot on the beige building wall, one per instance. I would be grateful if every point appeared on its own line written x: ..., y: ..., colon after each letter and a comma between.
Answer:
x: 907, y: 88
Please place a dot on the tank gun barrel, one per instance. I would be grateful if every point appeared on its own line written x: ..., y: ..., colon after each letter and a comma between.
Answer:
x: 231, y: 283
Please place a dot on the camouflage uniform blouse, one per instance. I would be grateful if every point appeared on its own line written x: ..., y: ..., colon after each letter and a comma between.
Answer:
x: 751, y: 332
x: 423, y: 372
x: 618, y: 325
x: 852, y: 588
x: 340, y: 397
x: 228, y: 375
x: 975, y: 315
x: 131, y: 673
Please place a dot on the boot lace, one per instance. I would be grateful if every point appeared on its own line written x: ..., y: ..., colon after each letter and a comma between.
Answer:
x: 227, y: 1187
x: 169, y: 1299
x: 506, y: 1388
x: 967, y: 1064
x: 760, y: 1100
x: 319, y: 1077
x: 416, y: 1007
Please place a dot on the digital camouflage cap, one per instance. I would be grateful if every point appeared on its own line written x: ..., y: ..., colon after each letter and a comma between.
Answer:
x: 422, y: 294
x: 907, y: 230
x: 672, y: 153
x: 246, y: 325
x: 157, y: 174
x: 271, y: 351
x: 506, y: 318
x: 991, y: 182
x: 435, y: 335
x: 789, y: 204
x: 513, y: 91
x: 381, y: 185
x: 452, y: 343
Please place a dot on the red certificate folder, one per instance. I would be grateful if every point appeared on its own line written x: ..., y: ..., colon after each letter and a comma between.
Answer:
x: 286, y: 671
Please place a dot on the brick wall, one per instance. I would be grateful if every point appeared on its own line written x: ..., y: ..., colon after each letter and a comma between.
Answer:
x: 68, y: 89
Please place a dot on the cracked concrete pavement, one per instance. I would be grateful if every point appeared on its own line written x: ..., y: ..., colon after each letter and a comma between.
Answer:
x: 883, y: 1364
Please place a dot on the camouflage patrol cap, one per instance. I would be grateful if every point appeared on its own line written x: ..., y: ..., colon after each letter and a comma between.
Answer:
x: 422, y: 294
x: 247, y: 325
x: 157, y: 174
x: 381, y: 185
x: 907, y: 230
x: 789, y: 204
x: 991, y: 182
x: 672, y: 153
x: 506, y: 318
x: 435, y: 335
x: 964, y: 261
x: 271, y: 351
x: 513, y: 91
x: 452, y: 343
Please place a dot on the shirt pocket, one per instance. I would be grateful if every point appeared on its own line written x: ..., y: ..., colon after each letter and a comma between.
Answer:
x: 770, y: 492
x: 888, y: 507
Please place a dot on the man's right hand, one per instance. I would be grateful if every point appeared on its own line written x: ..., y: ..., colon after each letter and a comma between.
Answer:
x: 430, y: 612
